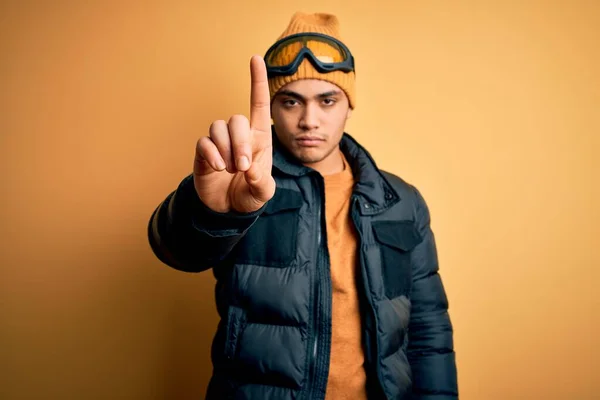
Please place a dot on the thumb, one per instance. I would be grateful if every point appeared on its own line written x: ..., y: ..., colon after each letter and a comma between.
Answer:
x: 262, y: 186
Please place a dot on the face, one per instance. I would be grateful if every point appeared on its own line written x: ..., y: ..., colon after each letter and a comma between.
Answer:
x: 310, y: 116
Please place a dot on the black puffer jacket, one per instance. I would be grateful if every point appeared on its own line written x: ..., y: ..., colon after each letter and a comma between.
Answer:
x: 273, y: 289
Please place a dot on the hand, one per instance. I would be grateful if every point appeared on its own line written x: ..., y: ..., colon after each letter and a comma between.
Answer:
x: 232, y: 166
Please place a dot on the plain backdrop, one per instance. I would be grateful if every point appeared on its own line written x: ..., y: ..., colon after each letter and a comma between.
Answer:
x: 491, y: 108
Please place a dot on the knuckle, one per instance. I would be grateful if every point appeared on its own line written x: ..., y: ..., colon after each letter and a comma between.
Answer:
x: 260, y: 104
x: 204, y: 141
x: 200, y: 143
x: 205, y: 147
x: 238, y: 119
x: 217, y: 126
x: 218, y: 123
x: 240, y: 147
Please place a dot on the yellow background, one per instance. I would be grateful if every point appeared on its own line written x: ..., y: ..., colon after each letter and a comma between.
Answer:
x: 490, y: 108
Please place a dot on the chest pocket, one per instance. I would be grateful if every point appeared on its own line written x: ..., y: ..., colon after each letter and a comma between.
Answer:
x: 272, y: 239
x: 396, y: 240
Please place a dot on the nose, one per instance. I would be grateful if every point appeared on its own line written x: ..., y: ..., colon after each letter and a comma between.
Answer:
x: 310, y: 118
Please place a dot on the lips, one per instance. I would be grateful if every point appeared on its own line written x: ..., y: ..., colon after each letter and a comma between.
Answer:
x: 309, y: 141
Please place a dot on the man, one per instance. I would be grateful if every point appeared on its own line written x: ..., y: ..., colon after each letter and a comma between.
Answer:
x: 326, y: 267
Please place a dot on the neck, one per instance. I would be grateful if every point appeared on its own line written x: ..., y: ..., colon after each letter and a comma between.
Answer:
x: 332, y: 164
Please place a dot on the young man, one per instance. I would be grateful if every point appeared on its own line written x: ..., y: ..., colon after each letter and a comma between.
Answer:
x: 326, y: 266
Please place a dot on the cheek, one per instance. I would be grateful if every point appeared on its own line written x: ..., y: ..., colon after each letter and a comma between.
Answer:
x: 288, y: 119
x: 340, y: 118
x: 284, y: 124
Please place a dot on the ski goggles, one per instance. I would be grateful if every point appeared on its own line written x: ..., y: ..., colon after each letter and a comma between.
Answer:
x: 326, y: 54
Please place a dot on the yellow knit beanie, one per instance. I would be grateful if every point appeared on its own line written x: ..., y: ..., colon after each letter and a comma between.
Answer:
x: 327, y: 24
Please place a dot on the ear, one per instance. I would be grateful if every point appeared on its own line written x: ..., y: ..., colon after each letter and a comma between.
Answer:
x: 349, y: 113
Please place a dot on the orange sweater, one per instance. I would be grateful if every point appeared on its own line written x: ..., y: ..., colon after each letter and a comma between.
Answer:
x: 347, y: 377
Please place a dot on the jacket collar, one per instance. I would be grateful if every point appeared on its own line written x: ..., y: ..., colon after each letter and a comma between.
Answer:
x: 374, y: 192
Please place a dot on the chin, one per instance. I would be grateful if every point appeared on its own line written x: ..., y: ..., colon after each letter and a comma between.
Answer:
x: 307, y: 158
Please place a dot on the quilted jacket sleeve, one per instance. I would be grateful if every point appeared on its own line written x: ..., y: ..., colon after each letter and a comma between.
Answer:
x: 188, y: 236
x: 430, y: 349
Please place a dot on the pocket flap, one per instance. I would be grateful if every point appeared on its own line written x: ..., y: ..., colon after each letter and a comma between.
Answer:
x: 402, y: 235
x: 284, y: 200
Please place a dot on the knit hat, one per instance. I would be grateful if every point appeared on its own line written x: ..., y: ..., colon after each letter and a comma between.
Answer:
x: 327, y: 24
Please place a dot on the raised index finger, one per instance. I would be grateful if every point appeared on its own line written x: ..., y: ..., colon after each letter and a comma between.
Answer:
x: 260, y: 100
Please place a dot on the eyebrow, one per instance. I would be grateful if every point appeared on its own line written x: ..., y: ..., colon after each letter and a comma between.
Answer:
x: 298, y: 96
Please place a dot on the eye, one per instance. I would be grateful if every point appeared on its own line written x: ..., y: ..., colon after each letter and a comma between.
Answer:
x: 290, y: 102
x: 329, y: 102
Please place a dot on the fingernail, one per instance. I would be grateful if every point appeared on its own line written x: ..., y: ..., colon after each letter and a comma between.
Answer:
x: 220, y: 165
x: 243, y: 163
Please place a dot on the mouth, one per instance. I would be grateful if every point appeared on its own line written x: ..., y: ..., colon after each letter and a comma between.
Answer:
x: 309, y: 141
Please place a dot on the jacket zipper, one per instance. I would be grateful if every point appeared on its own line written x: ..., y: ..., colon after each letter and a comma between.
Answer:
x: 312, y: 383
x: 375, y: 357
